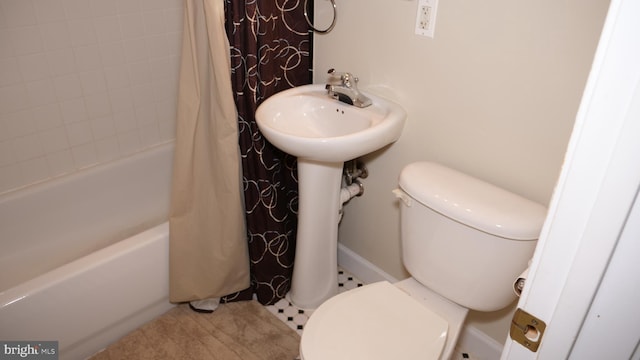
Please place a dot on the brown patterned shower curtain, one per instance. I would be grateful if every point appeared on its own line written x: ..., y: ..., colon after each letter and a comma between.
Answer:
x: 270, y: 52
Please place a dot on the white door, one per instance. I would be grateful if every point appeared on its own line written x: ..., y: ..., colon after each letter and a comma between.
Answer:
x: 584, y: 276
x: 610, y: 329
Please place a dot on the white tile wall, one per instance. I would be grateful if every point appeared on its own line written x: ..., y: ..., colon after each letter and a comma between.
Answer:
x: 84, y: 82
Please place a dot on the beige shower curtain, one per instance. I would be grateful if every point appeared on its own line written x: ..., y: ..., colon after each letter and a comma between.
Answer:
x: 208, y: 247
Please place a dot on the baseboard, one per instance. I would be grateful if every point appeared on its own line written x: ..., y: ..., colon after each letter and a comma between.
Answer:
x: 361, y: 267
x: 481, y: 345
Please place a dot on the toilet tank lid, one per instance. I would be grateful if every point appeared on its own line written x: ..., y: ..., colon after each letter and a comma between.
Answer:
x: 473, y: 202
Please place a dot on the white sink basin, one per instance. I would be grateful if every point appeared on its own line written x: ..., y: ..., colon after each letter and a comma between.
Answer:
x: 323, y: 133
x: 305, y: 122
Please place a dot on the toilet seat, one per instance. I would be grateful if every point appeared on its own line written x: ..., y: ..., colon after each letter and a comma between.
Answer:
x: 374, y: 322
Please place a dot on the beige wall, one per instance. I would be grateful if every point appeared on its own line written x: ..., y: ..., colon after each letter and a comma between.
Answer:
x: 494, y: 94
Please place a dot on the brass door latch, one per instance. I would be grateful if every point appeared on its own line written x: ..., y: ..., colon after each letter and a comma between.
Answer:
x: 527, y: 330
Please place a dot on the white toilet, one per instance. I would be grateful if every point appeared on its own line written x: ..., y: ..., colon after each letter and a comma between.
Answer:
x: 464, y: 242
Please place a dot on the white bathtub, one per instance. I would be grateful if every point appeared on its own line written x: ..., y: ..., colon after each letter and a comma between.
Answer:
x: 84, y: 259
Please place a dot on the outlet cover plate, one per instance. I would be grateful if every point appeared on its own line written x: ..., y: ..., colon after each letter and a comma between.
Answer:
x: 426, y: 17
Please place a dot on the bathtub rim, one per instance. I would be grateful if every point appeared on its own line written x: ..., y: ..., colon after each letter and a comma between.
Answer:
x: 90, y: 261
x: 49, y: 224
x: 43, y: 185
x: 95, y: 340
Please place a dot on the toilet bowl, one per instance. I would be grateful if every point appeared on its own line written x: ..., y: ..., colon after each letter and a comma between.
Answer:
x: 404, y: 320
x: 463, y: 242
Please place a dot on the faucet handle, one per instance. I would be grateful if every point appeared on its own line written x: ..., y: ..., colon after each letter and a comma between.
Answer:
x: 334, y: 75
x: 344, y: 77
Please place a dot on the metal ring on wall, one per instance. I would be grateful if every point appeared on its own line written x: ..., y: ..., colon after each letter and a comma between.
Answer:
x: 333, y: 22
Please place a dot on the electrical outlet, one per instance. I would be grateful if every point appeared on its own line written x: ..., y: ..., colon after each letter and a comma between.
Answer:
x: 426, y: 18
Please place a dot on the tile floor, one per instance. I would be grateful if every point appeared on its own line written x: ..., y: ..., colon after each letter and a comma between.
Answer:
x: 295, y: 318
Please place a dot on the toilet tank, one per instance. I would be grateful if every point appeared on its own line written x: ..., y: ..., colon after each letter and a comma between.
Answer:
x: 464, y: 238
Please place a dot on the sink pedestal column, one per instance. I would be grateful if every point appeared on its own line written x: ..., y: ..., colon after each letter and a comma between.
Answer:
x: 315, y: 277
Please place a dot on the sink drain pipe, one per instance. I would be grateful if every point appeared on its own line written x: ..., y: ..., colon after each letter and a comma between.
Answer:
x: 351, y: 186
x: 348, y: 192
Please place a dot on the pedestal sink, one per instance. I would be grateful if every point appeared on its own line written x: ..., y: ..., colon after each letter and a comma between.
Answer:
x: 323, y: 133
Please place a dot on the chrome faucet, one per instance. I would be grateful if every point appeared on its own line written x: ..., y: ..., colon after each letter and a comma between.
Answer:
x: 344, y: 87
